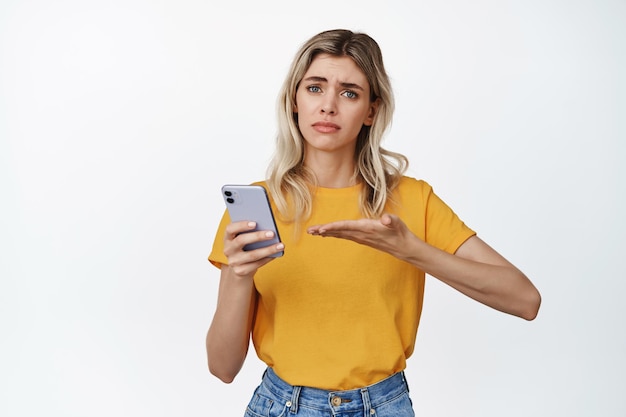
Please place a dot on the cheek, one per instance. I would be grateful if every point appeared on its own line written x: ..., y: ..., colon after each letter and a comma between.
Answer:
x: 299, y: 102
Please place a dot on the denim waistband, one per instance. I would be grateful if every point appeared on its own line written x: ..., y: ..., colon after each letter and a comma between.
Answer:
x: 365, y: 398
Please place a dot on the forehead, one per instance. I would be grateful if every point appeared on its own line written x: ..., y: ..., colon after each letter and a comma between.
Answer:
x: 337, y: 68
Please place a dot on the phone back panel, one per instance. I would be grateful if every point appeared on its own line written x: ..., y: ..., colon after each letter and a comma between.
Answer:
x: 251, y: 203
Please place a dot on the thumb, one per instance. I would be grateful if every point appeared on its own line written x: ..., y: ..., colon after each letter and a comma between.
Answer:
x: 387, y: 220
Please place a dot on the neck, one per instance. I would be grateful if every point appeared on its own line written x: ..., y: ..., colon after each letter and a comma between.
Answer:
x: 330, y: 171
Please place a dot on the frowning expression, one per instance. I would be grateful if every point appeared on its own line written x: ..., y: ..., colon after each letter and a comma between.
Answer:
x: 333, y: 104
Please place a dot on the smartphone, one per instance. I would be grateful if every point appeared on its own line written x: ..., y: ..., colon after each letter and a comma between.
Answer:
x: 251, y: 203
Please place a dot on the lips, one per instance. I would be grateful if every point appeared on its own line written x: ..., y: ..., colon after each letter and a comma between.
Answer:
x: 325, y: 127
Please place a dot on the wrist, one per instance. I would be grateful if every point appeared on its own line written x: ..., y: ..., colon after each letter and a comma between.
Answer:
x: 416, y: 252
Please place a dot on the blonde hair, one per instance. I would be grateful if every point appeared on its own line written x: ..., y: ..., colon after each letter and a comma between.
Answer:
x: 380, y: 170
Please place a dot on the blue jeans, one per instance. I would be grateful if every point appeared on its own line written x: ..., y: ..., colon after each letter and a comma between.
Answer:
x: 276, y: 398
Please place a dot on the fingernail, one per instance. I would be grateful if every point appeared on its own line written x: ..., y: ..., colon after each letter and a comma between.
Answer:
x: 269, y: 234
x: 251, y: 224
x: 280, y: 246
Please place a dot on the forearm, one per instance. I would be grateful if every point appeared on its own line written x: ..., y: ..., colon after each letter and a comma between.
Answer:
x: 489, y: 278
x: 229, y: 335
x: 476, y: 269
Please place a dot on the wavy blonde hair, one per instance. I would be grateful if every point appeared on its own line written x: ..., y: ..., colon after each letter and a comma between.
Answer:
x: 380, y: 170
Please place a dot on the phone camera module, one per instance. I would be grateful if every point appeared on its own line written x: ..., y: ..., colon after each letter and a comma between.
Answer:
x: 230, y: 200
x: 228, y: 193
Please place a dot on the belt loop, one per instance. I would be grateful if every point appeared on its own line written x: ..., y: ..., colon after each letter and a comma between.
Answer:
x: 295, y: 398
x: 367, y: 406
x: 406, y: 383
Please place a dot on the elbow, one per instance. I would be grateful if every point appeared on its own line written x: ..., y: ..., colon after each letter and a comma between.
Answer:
x: 221, y: 362
x: 224, y: 365
x: 224, y: 368
x: 222, y: 374
x: 531, y: 309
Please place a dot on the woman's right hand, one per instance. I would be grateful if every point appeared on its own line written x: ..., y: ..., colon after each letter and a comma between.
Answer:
x: 246, y: 263
x: 229, y: 334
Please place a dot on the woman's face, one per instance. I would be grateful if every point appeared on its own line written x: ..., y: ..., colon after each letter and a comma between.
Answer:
x: 333, y: 104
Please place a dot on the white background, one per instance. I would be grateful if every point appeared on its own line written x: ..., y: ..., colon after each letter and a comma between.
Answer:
x: 120, y: 120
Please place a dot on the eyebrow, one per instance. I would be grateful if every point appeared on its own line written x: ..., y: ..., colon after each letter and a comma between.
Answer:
x: 343, y: 84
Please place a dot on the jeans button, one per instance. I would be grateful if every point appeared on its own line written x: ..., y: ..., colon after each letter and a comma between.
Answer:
x: 336, y: 401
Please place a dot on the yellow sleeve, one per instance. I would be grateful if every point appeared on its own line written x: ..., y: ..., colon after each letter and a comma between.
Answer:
x: 444, y: 229
x: 217, y: 257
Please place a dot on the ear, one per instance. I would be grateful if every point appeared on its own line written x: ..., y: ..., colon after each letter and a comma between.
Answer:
x: 372, y: 112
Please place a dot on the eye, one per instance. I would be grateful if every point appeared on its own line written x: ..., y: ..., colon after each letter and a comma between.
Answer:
x: 314, y: 89
x: 350, y: 94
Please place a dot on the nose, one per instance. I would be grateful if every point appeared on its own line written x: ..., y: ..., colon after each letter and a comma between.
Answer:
x: 329, y: 106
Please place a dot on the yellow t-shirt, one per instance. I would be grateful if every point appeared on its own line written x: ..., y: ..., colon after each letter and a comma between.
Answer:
x: 334, y: 314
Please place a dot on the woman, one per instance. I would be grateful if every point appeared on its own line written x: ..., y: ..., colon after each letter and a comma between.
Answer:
x: 336, y: 319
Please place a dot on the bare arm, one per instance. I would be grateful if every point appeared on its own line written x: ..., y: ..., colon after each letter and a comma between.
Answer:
x: 229, y: 334
x: 481, y: 273
x: 476, y: 269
